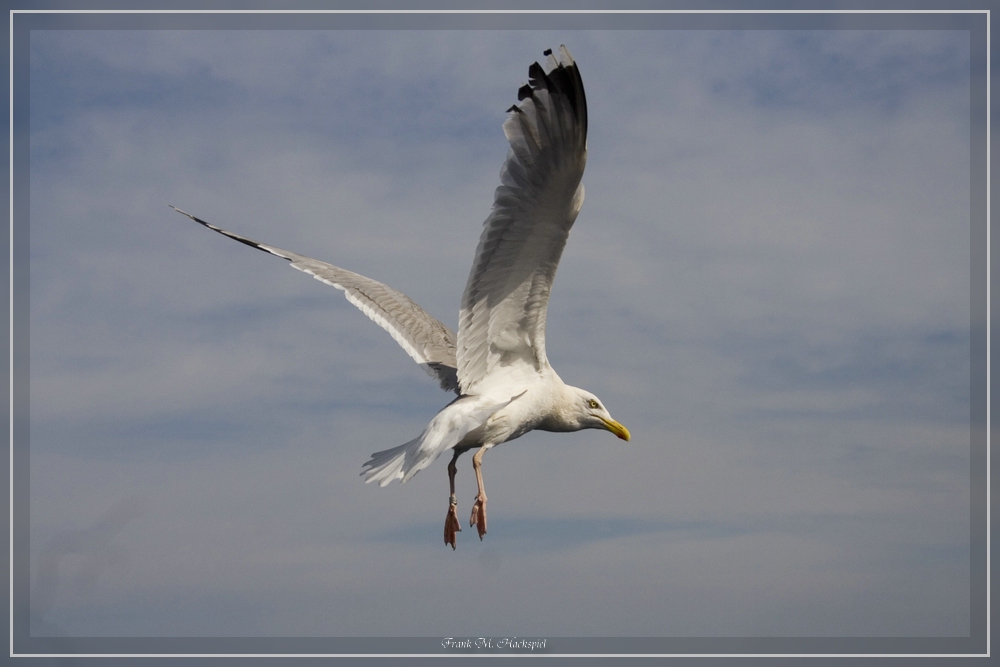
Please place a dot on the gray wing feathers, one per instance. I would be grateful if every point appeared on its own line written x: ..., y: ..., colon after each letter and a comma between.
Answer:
x: 430, y: 343
x: 502, y: 319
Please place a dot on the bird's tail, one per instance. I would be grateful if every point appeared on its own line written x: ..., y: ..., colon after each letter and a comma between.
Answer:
x: 387, y: 465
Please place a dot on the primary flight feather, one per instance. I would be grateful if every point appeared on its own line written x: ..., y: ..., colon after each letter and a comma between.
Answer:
x: 497, y: 363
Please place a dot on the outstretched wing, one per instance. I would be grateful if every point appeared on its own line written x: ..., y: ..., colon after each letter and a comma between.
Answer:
x: 430, y: 343
x: 502, y: 321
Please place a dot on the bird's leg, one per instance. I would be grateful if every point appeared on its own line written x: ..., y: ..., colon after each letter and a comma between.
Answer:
x: 451, y: 524
x: 478, y: 518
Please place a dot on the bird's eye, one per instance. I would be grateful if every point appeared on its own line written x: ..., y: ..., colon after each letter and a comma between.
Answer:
x: 594, y: 404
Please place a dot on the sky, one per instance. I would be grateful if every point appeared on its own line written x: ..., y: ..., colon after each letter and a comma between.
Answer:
x: 768, y: 285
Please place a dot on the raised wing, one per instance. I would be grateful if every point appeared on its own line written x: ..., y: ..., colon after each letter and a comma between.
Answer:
x: 502, y: 320
x: 430, y: 343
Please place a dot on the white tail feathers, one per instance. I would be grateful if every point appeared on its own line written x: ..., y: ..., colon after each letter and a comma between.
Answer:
x: 387, y: 465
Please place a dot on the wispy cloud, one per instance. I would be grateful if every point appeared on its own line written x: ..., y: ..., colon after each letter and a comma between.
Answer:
x: 768, y: 284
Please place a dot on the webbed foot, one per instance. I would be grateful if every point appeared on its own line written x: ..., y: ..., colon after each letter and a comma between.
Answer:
x: 478, y: 518
x: 451, y: 524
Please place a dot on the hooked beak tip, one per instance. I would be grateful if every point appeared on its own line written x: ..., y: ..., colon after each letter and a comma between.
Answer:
x: 618, y: 429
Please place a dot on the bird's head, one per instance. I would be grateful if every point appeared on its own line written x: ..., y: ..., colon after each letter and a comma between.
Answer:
x: 591, y: 413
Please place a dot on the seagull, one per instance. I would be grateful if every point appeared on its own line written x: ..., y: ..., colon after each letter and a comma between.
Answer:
x: 497, y: 363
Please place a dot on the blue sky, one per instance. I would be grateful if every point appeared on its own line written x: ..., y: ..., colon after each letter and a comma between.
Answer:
x: 768, y: 284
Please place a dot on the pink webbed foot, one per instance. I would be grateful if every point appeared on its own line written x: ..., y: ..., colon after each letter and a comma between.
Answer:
x: 451, y: 524
x: 478, y: 518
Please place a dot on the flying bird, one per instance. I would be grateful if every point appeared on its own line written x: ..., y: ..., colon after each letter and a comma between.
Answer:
x: 496, y: 364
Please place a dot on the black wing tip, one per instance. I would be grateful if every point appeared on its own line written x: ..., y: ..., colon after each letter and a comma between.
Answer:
x: 185, y: 213
x: 235, y: 237
x: 536, y: 74
x: 564, y: 79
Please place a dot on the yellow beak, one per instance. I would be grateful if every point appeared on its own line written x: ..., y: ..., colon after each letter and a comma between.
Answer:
x: 617, y: 429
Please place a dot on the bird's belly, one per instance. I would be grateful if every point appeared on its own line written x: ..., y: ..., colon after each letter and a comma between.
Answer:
x: 504, y: 425
x: 524, y: 413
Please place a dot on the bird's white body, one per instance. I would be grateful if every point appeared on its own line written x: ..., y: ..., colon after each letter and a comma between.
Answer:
x: 542, y: 402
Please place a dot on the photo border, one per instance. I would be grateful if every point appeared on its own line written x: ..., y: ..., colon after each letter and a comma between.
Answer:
x: 22, y: 22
